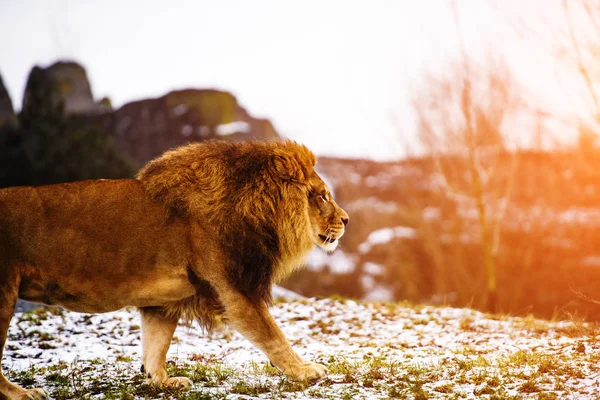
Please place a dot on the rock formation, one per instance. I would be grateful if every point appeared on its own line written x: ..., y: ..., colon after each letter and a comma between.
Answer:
x: 68, y: 82
x: 144, y: 129
x: 7, y: 112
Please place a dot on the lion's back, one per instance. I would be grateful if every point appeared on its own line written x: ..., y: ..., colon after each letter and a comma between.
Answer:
x: 82, y: 219
x: 27, y: 211
x: 93, y: 246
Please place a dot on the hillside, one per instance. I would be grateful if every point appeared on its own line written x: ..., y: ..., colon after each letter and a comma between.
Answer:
x: 372, y: 350
x: 412, y: 236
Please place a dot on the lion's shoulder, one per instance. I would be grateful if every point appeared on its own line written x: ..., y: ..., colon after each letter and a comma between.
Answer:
x: 250, y: 195
x: 200, y: 177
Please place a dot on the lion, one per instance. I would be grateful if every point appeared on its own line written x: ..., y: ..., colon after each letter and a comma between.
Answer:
x: 202, y: 233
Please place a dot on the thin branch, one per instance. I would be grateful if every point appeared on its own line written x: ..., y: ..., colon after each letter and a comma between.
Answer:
x: 593, y: 20
x: 585, y: 297
x: 582, y: 69
x: 467, y: 104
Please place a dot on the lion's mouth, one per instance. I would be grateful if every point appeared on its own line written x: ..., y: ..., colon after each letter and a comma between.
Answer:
x: 327, y: 239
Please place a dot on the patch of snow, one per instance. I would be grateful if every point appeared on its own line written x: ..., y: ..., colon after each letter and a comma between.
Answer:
x: 373, y: 203
x: 372, y: 181
x: 468, y: 211
x: 431, y: 213
x: 233, y: 127
x: 464, y: 238
x: 279, y: 292
x: 354, y: 178
x: 592, y: 261
x: 339, y: 262
x: 578, y: 215
x: 438, y: 182
x: 179, y: 110
x: 541, y: 217
x: 203, y: 131
x: 373, y: 269
x: 385, y: 235
x: 379, y: 293
x: 367, y: 282
x: 561, y: 243
x: 187, y: 130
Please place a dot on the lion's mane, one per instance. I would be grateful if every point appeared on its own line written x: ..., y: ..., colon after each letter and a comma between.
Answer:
x: 251, y: 196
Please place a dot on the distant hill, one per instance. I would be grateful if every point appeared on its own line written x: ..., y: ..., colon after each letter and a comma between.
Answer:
x: 145, y: 128
x: 410, y: 237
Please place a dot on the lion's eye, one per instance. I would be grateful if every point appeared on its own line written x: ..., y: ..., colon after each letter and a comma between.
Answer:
x: 323, y: 197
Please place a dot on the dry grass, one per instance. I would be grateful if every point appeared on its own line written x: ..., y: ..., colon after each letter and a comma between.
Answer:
x: 434, y: 353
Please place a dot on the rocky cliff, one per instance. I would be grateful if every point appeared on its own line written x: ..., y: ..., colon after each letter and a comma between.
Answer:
x: 68, y: 82
x: 144, y: 129
x: 6, y: 108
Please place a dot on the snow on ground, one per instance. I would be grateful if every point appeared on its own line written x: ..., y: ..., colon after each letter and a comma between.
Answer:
x: 281, y: 293
x: 233, y: 127
x: 384, y: 235
x: 592, y: 261
x: 372, y: 351
x: 338, y: 262
x: 372, y: 203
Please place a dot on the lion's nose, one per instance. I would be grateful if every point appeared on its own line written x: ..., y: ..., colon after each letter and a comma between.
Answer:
x: 345, y: 220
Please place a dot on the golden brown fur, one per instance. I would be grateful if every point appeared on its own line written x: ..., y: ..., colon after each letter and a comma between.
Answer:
x: 202, y: 233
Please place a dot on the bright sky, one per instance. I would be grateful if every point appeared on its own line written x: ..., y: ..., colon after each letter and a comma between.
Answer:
x: 335, y: 75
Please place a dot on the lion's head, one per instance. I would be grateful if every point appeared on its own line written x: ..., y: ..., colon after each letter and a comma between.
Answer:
x: 328, y: 220
x: 262, y: 202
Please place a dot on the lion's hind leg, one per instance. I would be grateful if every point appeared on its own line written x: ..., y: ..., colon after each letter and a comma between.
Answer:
x: 157, y: 332
x: 9, y: 292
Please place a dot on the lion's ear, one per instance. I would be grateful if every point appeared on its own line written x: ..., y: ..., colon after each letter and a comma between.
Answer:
x: 286, y: 168
x: 293, y: 163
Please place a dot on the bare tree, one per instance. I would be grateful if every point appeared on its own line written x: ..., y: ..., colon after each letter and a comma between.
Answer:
x: 460, y: 116
x: 570, y: 32
x: 585, y: 46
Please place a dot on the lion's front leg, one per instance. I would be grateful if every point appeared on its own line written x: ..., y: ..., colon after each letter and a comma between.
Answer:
x: 9, y: 289
x: 253, y: 320
x: 157, y: 332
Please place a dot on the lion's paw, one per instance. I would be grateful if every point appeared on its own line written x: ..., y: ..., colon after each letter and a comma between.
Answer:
x: 309, y: 371
x: 177, y: 382
x: 35, y: 394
